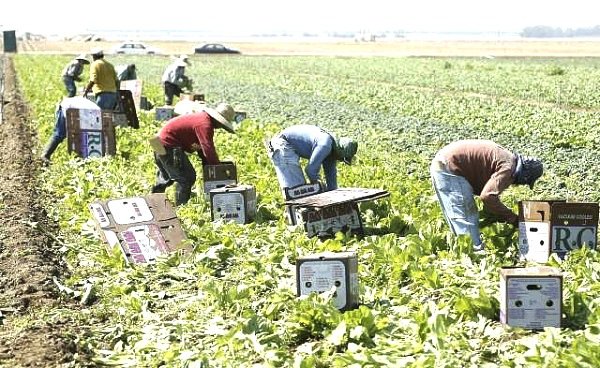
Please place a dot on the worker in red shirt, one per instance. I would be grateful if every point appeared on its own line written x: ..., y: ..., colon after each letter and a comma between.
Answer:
x: 188, y: 133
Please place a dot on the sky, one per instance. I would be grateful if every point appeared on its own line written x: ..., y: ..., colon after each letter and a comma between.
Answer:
x: 244, y: 17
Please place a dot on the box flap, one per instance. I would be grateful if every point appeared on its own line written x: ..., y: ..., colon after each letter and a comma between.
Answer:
x: 338, y: 196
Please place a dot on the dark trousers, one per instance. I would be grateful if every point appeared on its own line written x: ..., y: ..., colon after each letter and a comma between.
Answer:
x: 70, y: 86
x: 175, y: 167
x: 170, y: 91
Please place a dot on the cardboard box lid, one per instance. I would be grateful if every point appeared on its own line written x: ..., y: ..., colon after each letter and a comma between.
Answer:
x: 234, y: 188
x: 323, y: 256
x: 534, y: 211
x: 220, y: 171
x: 574, y: 214
x: 338, y: 196
x: 536, y: 271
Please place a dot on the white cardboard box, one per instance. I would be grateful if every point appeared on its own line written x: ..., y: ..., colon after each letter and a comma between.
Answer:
x: 531, y: 297
x: 321, y: 271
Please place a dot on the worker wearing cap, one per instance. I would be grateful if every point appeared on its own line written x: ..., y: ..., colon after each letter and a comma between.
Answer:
x: 191, y: 132
x: 321, y: 148
x: 174, y: 79
x: 103, y: 81
x: 72, y: 73
x: 471, y: 167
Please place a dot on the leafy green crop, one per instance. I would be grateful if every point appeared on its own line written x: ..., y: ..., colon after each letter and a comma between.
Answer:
x: 426, y: 299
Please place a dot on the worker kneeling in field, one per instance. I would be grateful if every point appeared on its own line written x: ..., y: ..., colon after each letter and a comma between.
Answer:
x: 191, y: 132
x: 478, y: 167
x: 321, y: 149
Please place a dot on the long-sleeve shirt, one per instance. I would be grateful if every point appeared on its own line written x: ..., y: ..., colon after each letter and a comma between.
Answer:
x: 73, y: 69
x: 174, y: 74
x: 316, y: 145
x: 487, y: 166
x: 125, y: 73
x: 103, y: 74
x: 191, y: 132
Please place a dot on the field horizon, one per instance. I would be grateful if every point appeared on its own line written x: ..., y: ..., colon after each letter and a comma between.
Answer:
x: 398, y: 48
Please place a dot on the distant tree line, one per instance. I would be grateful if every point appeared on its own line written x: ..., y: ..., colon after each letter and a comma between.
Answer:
x: 547, y: 31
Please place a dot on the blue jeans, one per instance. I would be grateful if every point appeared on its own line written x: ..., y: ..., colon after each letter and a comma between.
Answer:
x: 175, y: 167
x: 106, y: 100
x: 70, y: 86
x: 59, y: 134
x: 287, y: 164
x: 456, y: 199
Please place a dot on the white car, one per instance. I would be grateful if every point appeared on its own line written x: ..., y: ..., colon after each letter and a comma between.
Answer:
x: 137, y: 48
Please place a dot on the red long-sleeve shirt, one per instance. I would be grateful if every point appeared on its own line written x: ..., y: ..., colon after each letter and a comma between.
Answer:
x: 192, y: 132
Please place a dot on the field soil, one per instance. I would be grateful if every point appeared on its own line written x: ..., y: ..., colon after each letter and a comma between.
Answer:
x: 29, y: 258
x: 396, y: 48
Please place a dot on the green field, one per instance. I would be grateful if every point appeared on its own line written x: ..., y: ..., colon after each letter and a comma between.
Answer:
x: 426, y: 299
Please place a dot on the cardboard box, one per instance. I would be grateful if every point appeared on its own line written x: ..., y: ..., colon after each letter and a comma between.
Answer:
x: 325, y: 213
x: 135, y: 87
x: 142, y: 227
x: 192, y: 96
x: 531, y: 297
x: 326, y: 221
x: 299, y: 191
x: 90, y: 132
x: 557, y: 226
x: 234, y: 203
x: 322, y: 271
x: 162, y: 113
x: 219, y: 175
x: 126, y: 112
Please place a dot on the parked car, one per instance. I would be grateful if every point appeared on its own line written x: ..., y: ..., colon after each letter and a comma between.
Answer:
x: 215, y: 48
x: 138, y: 48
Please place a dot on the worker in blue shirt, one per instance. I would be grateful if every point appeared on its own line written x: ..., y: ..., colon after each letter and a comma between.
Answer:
x: 319, y: 147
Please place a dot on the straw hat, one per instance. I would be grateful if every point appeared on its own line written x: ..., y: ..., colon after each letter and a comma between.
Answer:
x: 185, y: 59
x: 97, y: 51
x: 224, y: 114
x: 83, y: 58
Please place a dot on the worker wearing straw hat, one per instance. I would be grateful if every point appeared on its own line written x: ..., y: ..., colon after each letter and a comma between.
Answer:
x: 72, y: 73
x: 191, y: 132
x: 174, y: 79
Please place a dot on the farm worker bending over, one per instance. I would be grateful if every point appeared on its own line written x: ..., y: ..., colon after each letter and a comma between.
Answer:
x: 321, y: 149
x: 103, y: 81
x: 192, y: 132
x: 60, y: 126
x: 174, y: 79
x: 478, y: 167
x: 72, y: 73
x: 126, y: 72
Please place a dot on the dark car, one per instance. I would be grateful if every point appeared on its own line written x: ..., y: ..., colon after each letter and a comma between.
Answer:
x: 215, y: 48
